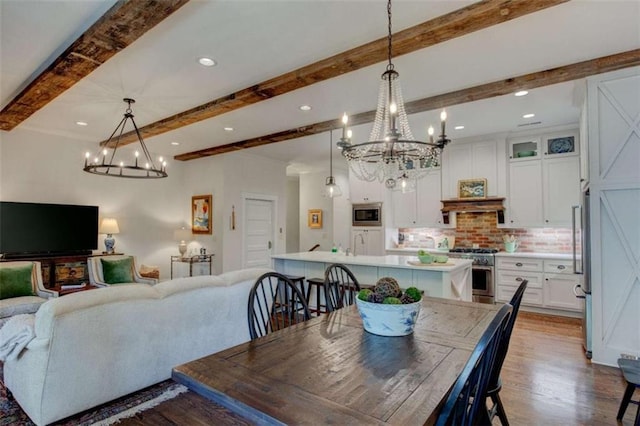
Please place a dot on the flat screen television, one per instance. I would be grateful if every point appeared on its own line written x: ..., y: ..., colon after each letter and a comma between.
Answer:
x: 34, y: 229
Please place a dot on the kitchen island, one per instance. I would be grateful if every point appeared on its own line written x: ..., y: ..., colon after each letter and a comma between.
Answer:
x: 451, y: 280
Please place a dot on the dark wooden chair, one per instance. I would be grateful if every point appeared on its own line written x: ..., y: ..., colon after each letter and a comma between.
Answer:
x: 631, y: 372
x: 340, y: 287
x: 466, y: 403
x: 275, y: 302
x: 495, y: 384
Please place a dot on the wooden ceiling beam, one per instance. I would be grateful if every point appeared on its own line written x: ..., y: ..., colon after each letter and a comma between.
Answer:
x: 460, y: 22
x: 124, y: 23
x: 484, y: 91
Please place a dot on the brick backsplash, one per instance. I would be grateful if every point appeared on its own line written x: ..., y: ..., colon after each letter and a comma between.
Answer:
x: 480, y: 228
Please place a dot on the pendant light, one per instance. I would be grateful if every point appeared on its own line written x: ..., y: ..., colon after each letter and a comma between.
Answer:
x: 111, y: 165
x: 331, y: 188
x: 391, y: 154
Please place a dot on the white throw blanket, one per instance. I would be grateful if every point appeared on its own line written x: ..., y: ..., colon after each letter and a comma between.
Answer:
x: 15, y: 334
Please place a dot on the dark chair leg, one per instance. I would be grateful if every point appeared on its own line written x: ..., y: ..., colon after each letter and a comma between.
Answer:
x: 502, y: 415
x: 628, y: 393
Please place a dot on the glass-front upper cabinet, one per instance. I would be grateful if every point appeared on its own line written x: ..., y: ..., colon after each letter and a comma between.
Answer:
x: 524, y: 148
x: 561, y: 144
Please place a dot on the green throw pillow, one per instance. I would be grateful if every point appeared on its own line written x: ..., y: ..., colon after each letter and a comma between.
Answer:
x: 16, y: 282
x: 117, y: 271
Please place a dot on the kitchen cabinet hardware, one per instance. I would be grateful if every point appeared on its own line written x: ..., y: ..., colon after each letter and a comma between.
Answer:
x: 519, y: 264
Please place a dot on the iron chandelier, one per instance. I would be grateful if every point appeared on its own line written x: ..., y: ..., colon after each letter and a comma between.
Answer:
x: 141, y: 169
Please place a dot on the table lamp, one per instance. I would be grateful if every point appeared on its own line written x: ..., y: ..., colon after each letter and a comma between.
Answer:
x: 109, y: 226
x: 183, y: 235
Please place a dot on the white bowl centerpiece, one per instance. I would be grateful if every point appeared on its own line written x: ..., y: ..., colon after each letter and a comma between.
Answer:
x: 386, y: 310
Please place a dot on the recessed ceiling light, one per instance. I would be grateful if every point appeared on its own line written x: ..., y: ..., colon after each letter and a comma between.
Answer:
x: 207, y: 62
x: 305, y: 107
x: 521, y: 93
x: 459, y: 127
x: 528, y: 115
x: 228, y: 129
x: 175, y: 143
x: 82, y: 123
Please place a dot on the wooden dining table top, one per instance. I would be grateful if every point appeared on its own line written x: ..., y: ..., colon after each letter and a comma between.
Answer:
x: 328, y: 370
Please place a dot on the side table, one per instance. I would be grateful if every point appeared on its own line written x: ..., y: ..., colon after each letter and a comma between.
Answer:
x: 202, y: 259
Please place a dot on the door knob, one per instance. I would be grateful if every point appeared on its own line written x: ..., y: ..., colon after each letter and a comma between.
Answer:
x: 269, y: 245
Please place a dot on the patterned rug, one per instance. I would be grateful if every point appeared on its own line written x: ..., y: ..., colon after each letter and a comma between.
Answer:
x: 109, y: 413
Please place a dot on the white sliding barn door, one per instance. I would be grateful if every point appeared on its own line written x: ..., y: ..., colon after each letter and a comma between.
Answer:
x: 614, y: 150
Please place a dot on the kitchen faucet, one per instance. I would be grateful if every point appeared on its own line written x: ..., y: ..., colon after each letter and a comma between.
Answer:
x: 354, y: 242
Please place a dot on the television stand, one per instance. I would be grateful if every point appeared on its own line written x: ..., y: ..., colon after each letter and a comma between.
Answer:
x: 59, y: 268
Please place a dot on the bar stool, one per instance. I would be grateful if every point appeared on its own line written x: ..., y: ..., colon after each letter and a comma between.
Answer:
x: 318, y: 283
x: 298, y: 281
x: 631, y: 372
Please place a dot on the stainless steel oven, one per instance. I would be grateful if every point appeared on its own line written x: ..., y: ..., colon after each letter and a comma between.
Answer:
x: 482, y: 272
x: 369, y: 214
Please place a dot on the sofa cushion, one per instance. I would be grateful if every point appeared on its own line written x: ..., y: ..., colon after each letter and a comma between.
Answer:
x: 117, y: 271
x: 20, y: 305
x: 16, y: 282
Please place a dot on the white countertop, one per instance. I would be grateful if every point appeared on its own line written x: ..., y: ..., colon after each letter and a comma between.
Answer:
x: 537, y: 255
x: 389, y: 261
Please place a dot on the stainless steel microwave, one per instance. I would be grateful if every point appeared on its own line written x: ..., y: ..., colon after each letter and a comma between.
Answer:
x: 369, y: 214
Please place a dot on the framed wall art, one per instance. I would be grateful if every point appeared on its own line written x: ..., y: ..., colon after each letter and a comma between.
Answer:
x: 472, y: 188
x: 201, y: 207
x: 315, y: 218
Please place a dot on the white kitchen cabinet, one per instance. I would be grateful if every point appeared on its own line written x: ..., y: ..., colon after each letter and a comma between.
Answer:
x: 525, y: 194
x: 470, y: 160
x: 422, y: 207
x: 561, y: 189
x: 542, y: 188
x: 367, y: 241
x: 550, y: 282
x: 365, y: 192
x: 559, y: 282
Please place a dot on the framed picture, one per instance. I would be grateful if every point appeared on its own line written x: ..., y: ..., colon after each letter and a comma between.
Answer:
x: 472, y: 188
x: 201, y: 207
x: 315, y: 218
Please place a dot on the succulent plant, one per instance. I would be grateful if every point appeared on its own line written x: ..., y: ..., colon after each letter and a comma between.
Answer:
x: 364, y: 294
x: 375, y: 298
x: 387, y: 291
x: 414, y: 293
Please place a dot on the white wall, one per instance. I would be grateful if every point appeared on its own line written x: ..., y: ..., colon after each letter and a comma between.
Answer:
x: 42, y: 168
x: 336, y: 212
x: 36, y: 167
x: 293, y: 217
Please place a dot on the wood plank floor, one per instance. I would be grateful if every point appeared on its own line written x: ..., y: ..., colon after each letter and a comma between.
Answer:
x: 546, y: 381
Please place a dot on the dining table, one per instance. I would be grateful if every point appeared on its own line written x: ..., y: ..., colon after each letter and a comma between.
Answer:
x: 329, y: 370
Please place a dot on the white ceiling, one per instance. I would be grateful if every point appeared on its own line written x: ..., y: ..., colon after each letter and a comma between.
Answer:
x: 253, y: 41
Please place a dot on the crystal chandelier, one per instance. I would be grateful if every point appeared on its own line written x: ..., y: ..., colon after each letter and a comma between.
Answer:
x: 141, y: 169
x: 392, y: 154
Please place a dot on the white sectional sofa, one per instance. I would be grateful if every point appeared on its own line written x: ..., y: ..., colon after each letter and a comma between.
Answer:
x: 94, y: 346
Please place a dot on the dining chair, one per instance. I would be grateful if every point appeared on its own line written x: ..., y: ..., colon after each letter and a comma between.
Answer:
x: 275, y: 302
x: 466, y: 403
x: 495, y: 384
x: 340, y: 287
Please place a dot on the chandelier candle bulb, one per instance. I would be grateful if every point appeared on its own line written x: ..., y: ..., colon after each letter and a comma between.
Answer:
x: 430, y: 132
x: 345, y: 120
x: 443, y: 119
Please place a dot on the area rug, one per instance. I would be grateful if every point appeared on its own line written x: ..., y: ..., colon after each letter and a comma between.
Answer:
x: 103, y: 415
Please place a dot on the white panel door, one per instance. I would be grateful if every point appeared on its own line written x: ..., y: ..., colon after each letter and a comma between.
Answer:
x: 258, y: 233
x: 614, y: 159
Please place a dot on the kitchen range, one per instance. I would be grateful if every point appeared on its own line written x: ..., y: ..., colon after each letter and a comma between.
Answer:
x: 482, y: 270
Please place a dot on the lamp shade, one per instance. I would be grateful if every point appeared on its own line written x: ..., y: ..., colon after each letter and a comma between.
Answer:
x: 109, y: 226
x: 182, y: 234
